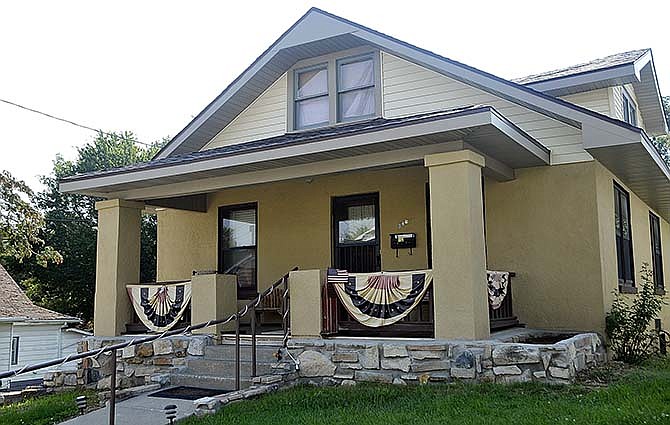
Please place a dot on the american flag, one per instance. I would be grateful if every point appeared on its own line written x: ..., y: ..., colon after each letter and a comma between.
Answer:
x: 337, y: 276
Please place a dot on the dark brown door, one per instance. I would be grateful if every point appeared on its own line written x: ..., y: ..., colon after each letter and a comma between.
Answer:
x: 356, y: 233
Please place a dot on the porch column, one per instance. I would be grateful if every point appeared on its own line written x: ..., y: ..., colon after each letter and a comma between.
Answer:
x: 213, y: 297
x: 117, y: 264
x: 459, y: 259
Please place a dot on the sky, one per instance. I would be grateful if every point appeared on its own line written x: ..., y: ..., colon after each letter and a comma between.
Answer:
x: 150, y: 66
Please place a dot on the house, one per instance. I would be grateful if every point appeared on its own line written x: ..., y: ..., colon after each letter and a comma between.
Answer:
x: 342, y: 147
x: 31, y: 334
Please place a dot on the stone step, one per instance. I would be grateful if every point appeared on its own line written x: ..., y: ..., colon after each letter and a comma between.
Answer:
x: 209, y: 382
x: 225, y: 368
x: 227, y: 352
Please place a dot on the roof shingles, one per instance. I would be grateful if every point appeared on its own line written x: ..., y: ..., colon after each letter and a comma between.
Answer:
x: 15, y: 304
x: 610, y: 61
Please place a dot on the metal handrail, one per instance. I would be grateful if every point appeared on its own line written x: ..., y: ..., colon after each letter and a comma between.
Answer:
x: 136, y: 341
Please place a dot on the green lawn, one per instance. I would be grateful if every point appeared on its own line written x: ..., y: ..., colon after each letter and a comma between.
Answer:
x: 45, y: 410
x: 635, y: 396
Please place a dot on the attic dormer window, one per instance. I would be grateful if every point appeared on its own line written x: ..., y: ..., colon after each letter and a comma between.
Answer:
x: 311, y: 97
x: 334, y: 89
x: 629, y: 109
x: 355, y: 88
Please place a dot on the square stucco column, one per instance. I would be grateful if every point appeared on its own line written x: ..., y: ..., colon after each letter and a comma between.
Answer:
x: 117, y: 264
x: 213, y: 296
x: 305, y: 303
x: 459, y: 258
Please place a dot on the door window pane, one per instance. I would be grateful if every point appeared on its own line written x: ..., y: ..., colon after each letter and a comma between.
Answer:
x: 241, y: 262
x: 237, y: 247
x: 239, y: 228
x: 358, y: 226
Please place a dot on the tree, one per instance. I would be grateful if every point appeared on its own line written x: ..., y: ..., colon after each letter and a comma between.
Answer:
x: 662, y: 143
x: 71, y: 223
x: 22, y: 225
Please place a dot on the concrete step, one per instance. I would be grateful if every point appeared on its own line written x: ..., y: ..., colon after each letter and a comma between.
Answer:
x: 224, y: 368
x: 209, y: 382
x: 227, y: 352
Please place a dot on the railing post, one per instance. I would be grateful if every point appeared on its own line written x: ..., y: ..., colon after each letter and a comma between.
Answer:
x: 112, y: 387
x: 237, y: 351
x: 253, y: 341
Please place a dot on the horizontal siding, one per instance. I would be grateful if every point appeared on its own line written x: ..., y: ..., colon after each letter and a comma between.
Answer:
x: 265, y: 117
x: 69, y: 341
x: 411, y: 89
x: 5, y: 341
x: 37, y: 343
x: 595, y: 100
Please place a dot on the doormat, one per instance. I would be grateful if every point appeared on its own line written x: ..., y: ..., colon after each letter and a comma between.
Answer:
x: 187, y: 393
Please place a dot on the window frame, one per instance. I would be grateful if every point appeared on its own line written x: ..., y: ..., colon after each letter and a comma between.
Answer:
x: 626, y: 282
x: 14, y: 351
x: 332, y: 65
x: 656, y: 251
x: 338, y: 92
x: 296, y: 99
x: 629, y: 108
x: 242, y: 293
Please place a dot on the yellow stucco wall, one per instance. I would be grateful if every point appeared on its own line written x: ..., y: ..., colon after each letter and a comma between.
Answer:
x: 294, y: 223
x: 639, y: 212
x: 543, y: 226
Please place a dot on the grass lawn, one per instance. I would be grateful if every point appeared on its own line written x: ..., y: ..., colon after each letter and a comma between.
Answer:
x: 44, y: 410
x: 632, y: 396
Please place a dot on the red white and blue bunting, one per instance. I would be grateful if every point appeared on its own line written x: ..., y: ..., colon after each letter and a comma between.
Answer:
x: 159, y: 307
x: 380, y: 299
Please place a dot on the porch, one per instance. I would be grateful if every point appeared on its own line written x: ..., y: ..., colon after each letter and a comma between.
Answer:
x: 407, y: 196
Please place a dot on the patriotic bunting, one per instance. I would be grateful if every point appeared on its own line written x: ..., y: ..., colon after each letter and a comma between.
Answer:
x: 160, y: 307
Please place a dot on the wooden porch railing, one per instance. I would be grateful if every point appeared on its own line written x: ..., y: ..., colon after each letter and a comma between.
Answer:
x: 503, y: 316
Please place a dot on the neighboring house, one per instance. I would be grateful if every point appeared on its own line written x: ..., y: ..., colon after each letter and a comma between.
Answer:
x: 339, y: 130
x: 31, y: 334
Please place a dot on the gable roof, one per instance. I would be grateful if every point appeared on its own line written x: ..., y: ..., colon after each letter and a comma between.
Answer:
x: 318, y: 33
x: 610, y: 61
x: 15, y: 304
x: 635, y: 67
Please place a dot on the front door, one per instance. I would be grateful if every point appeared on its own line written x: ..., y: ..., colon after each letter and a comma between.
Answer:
x: 356, y: 233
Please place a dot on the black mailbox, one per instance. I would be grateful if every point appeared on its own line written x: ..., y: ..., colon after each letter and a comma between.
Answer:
x: 403, y: 240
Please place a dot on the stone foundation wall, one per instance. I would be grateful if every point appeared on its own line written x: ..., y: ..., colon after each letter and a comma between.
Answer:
x: 345, y: 362
x: 136, y: 366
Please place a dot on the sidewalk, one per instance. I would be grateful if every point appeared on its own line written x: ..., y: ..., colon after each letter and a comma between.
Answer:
x: 142, y: 409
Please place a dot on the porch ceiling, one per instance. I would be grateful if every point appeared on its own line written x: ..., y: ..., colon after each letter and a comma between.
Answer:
x: 480, y: 128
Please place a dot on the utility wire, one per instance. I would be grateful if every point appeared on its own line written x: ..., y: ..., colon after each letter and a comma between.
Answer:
x: 71, y: 122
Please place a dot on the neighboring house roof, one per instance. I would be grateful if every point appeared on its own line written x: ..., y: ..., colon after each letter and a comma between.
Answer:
x: 610, y: 61
x: 17, y: 307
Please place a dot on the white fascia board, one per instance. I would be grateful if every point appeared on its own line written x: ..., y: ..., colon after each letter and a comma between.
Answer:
x: 623, y: 74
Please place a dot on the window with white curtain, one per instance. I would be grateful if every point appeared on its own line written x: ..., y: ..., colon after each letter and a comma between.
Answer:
x: 311, y: 97
x: 339, y: 89
x: 355, y: 88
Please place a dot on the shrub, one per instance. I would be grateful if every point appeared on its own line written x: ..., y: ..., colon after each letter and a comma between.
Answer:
x: 628, y: 323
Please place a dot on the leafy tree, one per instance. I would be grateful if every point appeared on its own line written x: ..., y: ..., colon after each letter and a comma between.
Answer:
x: 662, y: 143
x: 21, y: 224
x: 71, y: 221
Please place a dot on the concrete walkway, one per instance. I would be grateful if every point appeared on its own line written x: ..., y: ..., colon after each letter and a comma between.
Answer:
x: 142, y: 409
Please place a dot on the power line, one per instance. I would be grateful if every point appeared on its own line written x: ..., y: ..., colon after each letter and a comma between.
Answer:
x: 71, y: 122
